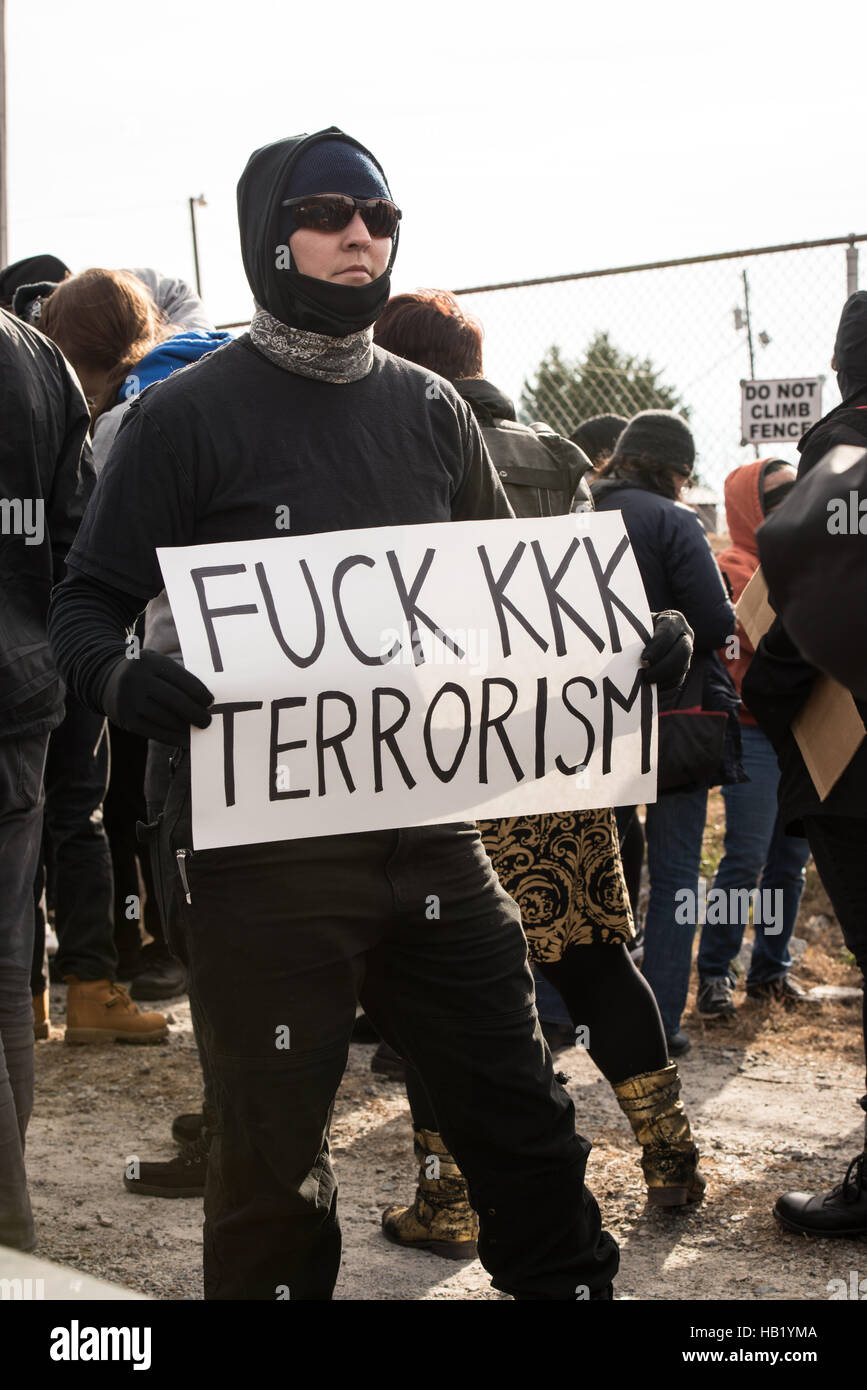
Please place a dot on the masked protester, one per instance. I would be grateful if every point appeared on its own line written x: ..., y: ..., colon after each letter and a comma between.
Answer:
x: 305, y: 412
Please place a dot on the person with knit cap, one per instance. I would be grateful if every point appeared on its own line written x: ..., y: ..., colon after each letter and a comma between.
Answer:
x: 598, y: 435
x: 758, y: 853
x: 40, y: 271
x: 643, y: 479
x: 304, y: 411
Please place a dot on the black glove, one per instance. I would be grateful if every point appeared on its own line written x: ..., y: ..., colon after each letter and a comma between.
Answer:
x: 667, y: 655
x: 153, y: 696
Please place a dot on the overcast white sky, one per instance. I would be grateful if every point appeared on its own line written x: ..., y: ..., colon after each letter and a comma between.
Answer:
x: 519, y: 140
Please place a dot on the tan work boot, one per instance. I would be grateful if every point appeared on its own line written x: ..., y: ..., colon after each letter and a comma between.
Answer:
x: 99, y: 1011
x: 652, y: 1106
x: 440, y: 1219
x: 41, y: 1016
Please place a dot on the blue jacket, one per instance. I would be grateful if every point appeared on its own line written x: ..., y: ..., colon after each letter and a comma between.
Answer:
x: 174, y: 353
x: 675, y: 560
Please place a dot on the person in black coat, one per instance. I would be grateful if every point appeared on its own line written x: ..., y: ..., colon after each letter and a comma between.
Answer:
x: 813, y: 553
x: 776, y: 687
x: 46, y: 475
x: 652, y: 461
x: 286, y: 936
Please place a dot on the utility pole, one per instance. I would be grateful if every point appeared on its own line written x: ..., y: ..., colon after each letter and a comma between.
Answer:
x: 749, y: 327
x: 4, y: 236
x: 851, y: 264
x: 744, y: 320
x: 194, y: 203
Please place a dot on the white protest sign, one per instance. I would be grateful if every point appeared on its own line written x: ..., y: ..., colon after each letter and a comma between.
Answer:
x: 409, y: 675
x: 779, y: 410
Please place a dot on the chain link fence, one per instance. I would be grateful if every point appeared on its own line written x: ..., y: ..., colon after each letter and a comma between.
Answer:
x: 678, y: 320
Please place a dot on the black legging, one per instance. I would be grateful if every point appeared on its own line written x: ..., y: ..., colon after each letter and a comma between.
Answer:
x: 605, y: 994
x: 632, y: 846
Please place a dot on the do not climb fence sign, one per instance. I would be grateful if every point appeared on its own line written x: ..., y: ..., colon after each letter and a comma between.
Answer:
x: 411, y: 675
x: 780, y: 410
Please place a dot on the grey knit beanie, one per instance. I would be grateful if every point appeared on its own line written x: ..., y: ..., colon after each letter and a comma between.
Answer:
x: 662, y: 436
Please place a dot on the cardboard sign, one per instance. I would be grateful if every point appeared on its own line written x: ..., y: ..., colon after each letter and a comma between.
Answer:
x: 828, y: 729
x: 779, y: 410
x: 753, y: 610
x: 411, y: 675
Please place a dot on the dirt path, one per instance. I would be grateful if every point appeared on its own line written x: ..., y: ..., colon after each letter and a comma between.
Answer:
x: 771, y: 1099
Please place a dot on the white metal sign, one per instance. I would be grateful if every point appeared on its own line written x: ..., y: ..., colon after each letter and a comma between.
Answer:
x: 779, y: 410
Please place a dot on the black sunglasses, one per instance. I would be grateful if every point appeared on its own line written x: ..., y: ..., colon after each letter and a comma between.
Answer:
x: 331, y: 212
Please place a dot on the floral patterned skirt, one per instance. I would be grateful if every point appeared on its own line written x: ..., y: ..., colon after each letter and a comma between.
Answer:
x: 563, y: 870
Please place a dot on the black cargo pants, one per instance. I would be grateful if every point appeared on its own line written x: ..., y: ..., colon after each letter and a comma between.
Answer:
x: 280, y: 941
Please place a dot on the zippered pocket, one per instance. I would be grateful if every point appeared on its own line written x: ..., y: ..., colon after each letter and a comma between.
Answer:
x: 181, y: 857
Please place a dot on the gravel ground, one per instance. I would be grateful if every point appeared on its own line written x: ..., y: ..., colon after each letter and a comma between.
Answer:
x: 771, y: 1101
x: 772, y: 1098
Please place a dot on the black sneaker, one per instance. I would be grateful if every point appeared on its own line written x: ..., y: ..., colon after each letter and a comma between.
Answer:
x: 715, y: 997
x: 183, y: 1176
x: 678, y: 1044
x: 784, y: 989
x: 841, y: 1212
x: 160, y: 976
x: 187, y: 1128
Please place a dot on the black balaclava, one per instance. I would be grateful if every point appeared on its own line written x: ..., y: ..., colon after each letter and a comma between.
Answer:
x: 292, y: 168
x: 850, y: 348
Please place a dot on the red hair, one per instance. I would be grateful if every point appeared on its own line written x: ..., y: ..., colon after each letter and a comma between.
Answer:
x: 431, y: 328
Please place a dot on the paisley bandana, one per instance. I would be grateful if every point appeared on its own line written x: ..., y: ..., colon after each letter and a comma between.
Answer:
x: 316, y: 355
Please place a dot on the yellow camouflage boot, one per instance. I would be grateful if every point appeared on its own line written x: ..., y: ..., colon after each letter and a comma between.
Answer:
x: 440, y: 1219
x: 652, y: 1106
x: 99, y: 1011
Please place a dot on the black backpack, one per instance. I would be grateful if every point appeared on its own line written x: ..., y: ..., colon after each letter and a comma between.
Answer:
x: 543, y: 473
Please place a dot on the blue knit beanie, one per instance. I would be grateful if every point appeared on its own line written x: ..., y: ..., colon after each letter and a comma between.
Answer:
x: 333, y: 166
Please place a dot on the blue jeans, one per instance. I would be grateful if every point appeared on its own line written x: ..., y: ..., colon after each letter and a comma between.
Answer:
x: 674, y: 828
x: 757, y: 852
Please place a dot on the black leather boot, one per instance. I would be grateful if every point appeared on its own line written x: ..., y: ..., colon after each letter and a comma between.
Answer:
x: 840, y: 1212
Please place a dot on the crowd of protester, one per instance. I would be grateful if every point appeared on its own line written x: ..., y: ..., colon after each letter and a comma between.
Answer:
x: 129, y: 422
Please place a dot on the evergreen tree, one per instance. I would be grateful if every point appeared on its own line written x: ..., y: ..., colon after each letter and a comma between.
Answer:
x: 605, y: 381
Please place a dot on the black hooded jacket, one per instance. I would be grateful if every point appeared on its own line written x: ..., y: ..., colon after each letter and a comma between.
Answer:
x: 293, y: 298
x: 779, y: 680
x: 46, y: 473
x: 218, y: 451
